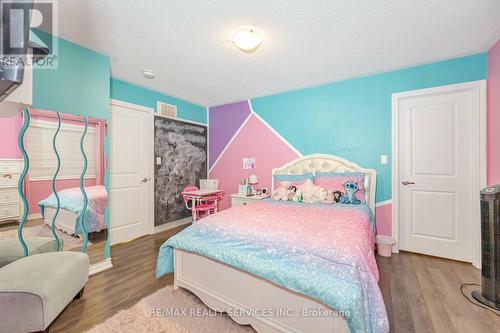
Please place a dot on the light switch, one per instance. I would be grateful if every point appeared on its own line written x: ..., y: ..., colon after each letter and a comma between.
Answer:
x: 158, y: 160
x: 383, y: 159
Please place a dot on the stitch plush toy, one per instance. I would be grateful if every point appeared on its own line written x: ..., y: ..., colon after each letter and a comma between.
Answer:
x: 281, y: 193
x: 349, y: 198
x: 337, y: 195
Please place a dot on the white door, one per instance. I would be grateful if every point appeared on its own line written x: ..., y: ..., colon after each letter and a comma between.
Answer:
x: 438, y: 172
x: 131, y: 144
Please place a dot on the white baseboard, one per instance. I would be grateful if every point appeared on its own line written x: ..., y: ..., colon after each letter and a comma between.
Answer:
x: 383, y: 203
x: 171, y: 225
x: 100, y: 266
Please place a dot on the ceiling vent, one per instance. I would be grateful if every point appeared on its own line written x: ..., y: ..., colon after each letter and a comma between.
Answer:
x: 166, y: 110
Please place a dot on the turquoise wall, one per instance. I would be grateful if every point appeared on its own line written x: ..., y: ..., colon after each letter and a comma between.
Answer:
x: 128, y: 92
x: 352, y: 118
x: 80, y: 86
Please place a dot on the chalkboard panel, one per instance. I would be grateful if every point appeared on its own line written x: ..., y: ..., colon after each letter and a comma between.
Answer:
x: 182, y: 148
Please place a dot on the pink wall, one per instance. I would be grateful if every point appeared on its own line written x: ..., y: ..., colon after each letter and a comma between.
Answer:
x: 9, y: 130
x: 254, y: 139
x: 493, y: 117
x: 383, y: 216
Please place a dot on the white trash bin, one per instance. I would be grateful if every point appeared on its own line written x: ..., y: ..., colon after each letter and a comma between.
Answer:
x: 384, y: 245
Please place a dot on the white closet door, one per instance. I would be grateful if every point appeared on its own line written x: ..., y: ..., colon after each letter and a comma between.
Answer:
x: 437, y: 173
x: 131, y: 143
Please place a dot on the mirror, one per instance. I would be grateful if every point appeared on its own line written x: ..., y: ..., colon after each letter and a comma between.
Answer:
x: 61, y: 208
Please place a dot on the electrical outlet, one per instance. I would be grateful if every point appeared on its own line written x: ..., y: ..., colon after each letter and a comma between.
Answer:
x: 383, y: 159
x: 158, y: 160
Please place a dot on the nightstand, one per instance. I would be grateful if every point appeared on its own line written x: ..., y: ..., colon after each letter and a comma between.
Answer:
x: 10, y: 201
x: 239, y: 199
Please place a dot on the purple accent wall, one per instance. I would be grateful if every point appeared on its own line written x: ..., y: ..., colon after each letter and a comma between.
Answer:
x: 223, y: 122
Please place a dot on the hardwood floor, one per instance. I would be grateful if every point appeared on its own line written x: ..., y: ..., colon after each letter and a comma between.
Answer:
x: 421, y: 293
x: 14, y: 224
x: 97, y: 239
x: 131, y: 278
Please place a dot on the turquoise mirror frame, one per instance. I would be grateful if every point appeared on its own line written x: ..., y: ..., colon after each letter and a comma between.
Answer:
x: 54, y: 191
x: 82, y: 188
x: 20, y: 141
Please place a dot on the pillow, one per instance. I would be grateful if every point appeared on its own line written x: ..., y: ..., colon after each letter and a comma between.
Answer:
x: 335, y: 181
x: 295, y: 180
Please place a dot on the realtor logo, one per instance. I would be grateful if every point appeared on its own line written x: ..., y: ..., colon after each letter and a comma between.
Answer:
x: 27, y: 34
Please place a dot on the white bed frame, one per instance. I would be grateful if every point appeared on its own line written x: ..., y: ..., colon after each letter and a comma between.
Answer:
x: 227, y: 289
x: 66, y: 219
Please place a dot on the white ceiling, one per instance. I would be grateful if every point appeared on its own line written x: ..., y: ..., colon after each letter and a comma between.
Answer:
x: 306, y: 42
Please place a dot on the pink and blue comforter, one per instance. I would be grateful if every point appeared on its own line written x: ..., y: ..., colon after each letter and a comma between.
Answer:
x: 322, y: 251
x: 72, y: 199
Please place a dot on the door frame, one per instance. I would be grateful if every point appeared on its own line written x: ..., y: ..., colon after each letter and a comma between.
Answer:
x: 479, y: 134
x: 150, y: 146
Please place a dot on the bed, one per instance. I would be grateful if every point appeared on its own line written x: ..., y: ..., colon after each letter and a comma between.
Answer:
x: 71, y: 204
x: 286, y: 266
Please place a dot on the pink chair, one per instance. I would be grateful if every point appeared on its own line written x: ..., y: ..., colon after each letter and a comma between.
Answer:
x: 200, y: 207
x: 213, y: 200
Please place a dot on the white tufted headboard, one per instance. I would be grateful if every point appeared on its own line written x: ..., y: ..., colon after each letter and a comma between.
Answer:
x: 329, y: 163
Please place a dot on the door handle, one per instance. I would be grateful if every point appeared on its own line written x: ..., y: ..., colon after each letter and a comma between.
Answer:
x: 407, y: 182
x: 145, y: 180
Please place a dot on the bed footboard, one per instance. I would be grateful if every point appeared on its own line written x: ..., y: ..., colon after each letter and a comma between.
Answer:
x: 250, y: 300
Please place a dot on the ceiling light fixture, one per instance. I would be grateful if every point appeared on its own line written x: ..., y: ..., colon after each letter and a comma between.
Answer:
x: 248, y: 40
x: 148, y: 74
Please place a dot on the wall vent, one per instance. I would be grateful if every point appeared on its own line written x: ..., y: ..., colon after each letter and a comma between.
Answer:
x: 166, y: 110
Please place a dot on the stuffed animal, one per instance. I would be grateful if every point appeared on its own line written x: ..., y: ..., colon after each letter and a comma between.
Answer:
x: 337, y: 195
x: 349, y: 198
x: 281, y: 193
x: 310, y: 192
x: 330, y: 197
x: 299, y: 196
x: 325, y: 196
x: 292, y: 192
